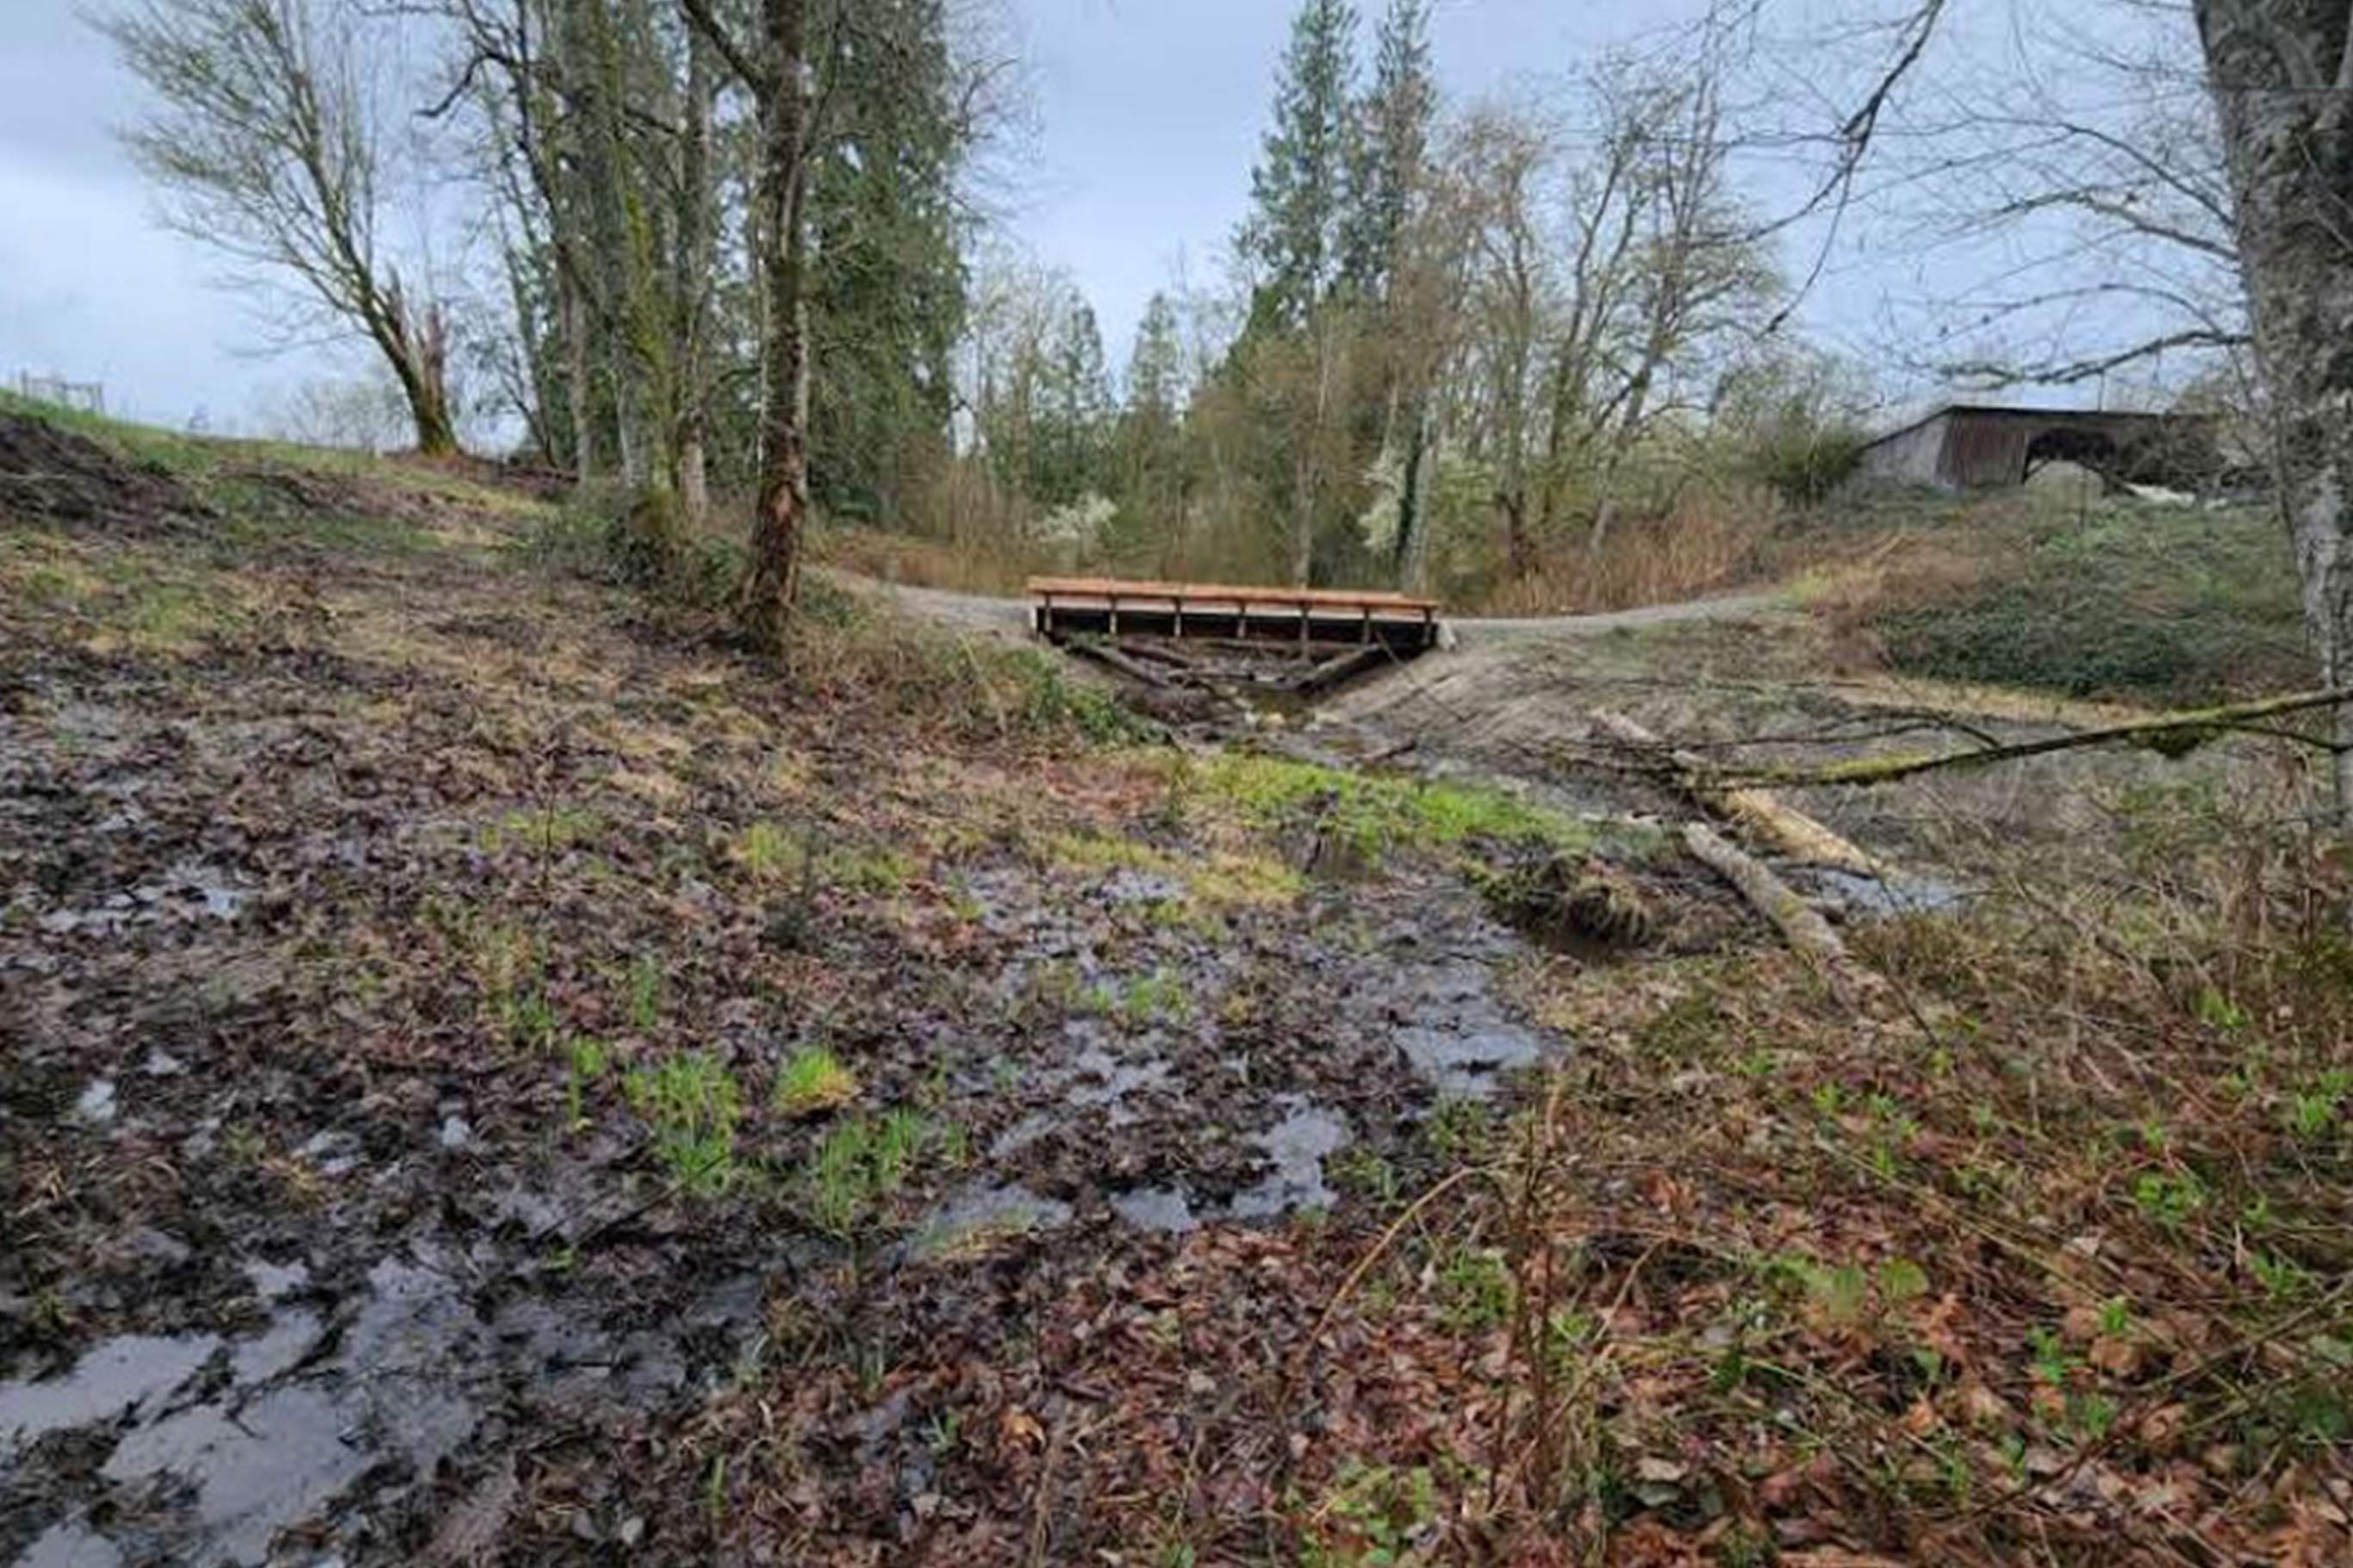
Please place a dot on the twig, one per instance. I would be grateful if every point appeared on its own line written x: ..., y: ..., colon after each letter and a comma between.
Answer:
x: 1386, y: 1239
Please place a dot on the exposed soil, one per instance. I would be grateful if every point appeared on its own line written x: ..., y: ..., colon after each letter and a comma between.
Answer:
x: 52, y: 474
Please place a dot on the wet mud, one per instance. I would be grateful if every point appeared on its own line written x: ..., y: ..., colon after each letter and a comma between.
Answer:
x: 322, y: 1263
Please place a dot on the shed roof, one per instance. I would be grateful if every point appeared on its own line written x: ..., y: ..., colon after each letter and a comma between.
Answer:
x: 2047, y: 416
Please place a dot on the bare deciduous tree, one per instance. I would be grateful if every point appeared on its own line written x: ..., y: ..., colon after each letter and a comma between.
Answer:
x: 1596, y: 291
x: 2074, y: 178
x: 266, y: 145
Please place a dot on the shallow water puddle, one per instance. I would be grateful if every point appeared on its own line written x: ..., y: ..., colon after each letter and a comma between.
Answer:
x: 1297, y: 1147
x: 984, y: 1213
x: 129, y: 1375
x: 1167, y: 1209
x: 275, y: 1440
x: 1903, y: 894
x: 69, y: 1545
x: 1435, y: 996
x: 186, y: 892
x: 270, y: 1461
x: 1399, y: 1008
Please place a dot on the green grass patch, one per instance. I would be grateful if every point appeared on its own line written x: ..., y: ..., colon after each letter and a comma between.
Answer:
x: 814, y: 1080
x: 769, y: 851
x: 547, y: 830
x: 692, y: 1105
x: 860, y: 1164
x: 122, y: 595
x: 1143, y: 1000
x: 1375, y: 815
x: 1219, y: 881
x: 765, y: 850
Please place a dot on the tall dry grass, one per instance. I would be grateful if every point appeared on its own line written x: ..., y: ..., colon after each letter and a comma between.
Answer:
x: 1704, y: 545
x: 994, y: 566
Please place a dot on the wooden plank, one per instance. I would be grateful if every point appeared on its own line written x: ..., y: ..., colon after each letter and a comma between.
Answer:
x: 1129, y: 589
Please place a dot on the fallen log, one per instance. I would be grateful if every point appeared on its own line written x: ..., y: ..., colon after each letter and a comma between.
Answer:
x: 1798, y: 834
x: 1347, y: 667
x: 2171, y: 734
x: 1134, y: 668
x: 1800, y: 925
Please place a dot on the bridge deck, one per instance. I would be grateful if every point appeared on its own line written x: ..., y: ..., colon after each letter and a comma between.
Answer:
x: 1068, y: 606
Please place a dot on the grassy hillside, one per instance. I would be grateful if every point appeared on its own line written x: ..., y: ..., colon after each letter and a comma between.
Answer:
x: 2112, y: 599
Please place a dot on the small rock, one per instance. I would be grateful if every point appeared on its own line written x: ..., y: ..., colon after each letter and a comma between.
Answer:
x: 96, y: 1105
x: 632, y: 1531
x: 163, y: 1064
x: 456, y: 1132
x: 153, y: 1245
x: 331, y: 1151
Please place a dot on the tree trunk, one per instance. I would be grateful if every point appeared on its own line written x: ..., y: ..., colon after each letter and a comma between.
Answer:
x: 592, y: 55
x: 1519, y: 550
x: 429, y: 411
x: 1303, y: 520
x: 691, y: 289
x: 2282, y: 75
x: 579, y: 393
x: 1630, y: 425
x: 417, y: 346
x: 1413, y: 500
x: 772, y: 578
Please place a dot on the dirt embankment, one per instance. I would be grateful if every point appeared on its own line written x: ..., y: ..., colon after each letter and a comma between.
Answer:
x: 50, y: 475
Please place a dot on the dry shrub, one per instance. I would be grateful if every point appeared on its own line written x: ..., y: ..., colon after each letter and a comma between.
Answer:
x: 961, y: 530
x: 1851, y: 582
x: 1705, y: 545
x: 994, y: 566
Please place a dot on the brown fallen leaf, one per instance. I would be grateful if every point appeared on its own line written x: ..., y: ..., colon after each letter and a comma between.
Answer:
x: 1021, y: 1428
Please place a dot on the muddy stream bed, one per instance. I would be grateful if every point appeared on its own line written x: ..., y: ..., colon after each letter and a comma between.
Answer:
x: 349, y: 1378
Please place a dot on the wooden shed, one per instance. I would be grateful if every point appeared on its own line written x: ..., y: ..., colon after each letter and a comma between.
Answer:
x: 1966, y: 445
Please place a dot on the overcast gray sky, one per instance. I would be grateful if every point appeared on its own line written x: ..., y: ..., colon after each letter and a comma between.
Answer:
x: 1149, y: 116
x: 1153, y: 111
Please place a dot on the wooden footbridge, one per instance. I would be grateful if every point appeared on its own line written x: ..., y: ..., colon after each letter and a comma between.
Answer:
x: 1312, y: 619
